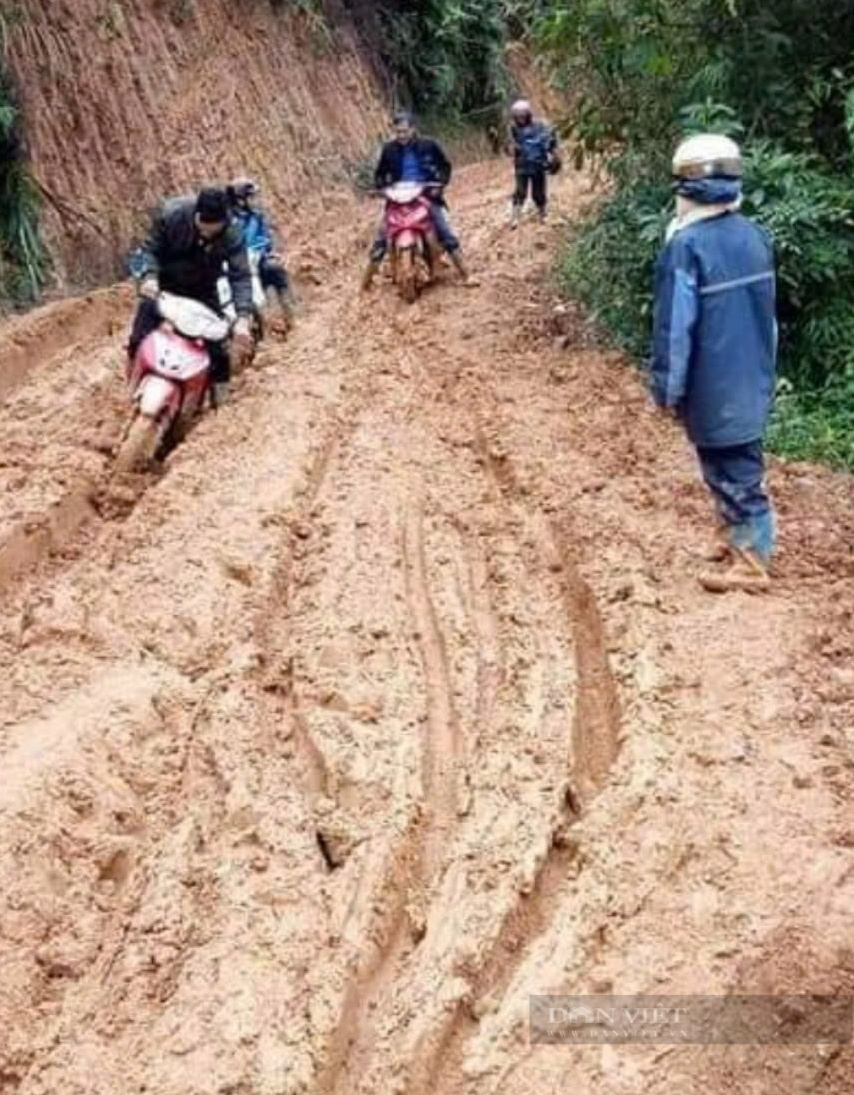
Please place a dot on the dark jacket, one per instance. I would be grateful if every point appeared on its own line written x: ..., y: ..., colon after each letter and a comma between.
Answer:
x: 187, y: 266
x: 435, y: 165
x: 715, y: 330
x: 533, y: 146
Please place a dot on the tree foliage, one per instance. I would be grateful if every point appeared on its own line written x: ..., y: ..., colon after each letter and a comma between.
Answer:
x: 448, y: 57
x: 23, y: 261
x: 779, y: 76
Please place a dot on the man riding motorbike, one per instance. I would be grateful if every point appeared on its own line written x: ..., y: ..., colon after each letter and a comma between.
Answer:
x: 258, y: 237
x: 535, y: 154
x: 190, y: 239
x: 411, y: 158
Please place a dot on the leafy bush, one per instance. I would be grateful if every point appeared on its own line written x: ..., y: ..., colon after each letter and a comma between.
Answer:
x: 816, y: 424
x: 447, y: 56
x: 647, y: 72
x: 23, y: 260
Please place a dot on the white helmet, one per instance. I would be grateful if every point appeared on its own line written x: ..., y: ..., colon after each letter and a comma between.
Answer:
x: 521, y: 109
x: 707, y: 155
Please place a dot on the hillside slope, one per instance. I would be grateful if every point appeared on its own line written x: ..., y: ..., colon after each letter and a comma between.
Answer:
x: 124, y: 102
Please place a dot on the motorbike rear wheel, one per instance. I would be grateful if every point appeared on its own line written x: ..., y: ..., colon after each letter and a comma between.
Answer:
x: 407, y: 275
x: 140, y: 444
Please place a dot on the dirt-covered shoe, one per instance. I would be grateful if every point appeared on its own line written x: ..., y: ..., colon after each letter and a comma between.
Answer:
x: 219, y: 394
x: 466, y: 278
x: 747, y: 573
x: 718, y: 550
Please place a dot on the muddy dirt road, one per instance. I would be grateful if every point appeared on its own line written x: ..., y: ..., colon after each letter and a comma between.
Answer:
x: 392, y: 700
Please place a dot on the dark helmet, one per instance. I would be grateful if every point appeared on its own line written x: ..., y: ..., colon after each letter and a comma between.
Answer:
x: 403, y: 117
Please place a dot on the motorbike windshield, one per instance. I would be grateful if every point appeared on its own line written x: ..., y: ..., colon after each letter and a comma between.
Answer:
x: 192, y: 318
x: 403, y: 192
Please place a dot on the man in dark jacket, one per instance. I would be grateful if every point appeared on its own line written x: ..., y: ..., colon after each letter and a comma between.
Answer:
x: 189, y: 242
x: 714, y: 351
x: 535, y: 154
x: 410, y: 158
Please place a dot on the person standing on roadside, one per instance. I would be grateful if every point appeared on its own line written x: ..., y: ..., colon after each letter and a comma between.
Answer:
x: 534, y: 147
x: 715, y: 348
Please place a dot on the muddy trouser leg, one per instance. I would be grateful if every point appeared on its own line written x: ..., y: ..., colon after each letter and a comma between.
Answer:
x: 380, y: 244
x: 220, y: 362
x: 146, y: 320
x: 446, y: 235
x: 520, y: 194
x: 734, y: 475
x: 274, y: 276
x: 538, y: 190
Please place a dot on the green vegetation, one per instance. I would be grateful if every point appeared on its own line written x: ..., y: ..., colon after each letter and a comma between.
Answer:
x: 780, y: 78
x: 447, y: 57
x: 23, y: 261
x: 778, y: 75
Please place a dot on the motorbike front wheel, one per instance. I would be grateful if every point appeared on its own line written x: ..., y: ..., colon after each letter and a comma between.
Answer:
x: 140, y: 444
x: 407, y: 277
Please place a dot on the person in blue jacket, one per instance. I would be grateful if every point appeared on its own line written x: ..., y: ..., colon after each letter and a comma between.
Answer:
x: 258, y: 238
x: 534, y: 146
x: 715, y: 348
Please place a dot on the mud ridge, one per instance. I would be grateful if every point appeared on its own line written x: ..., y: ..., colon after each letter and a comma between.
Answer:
x: 443, y: 774
x: 417, y: 861
x: 30, y: 543
x: 596, y: 729
x: 597, y: 724
x: 440, y: 1064
x: 349, y: 1050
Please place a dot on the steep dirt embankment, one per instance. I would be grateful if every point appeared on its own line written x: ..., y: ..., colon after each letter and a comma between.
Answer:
x: 125, y: 102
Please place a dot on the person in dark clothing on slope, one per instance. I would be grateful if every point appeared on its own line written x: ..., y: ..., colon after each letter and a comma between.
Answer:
x: 535, y: 154
x: 410, y: 158
x: 714, y: 350
x: 189, y: 242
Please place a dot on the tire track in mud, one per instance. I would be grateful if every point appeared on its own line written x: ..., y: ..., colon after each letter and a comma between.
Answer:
x: 419, y: 857
x: 594, y: 737
x: 596, y: 728
x: 437, y: 1054
x: 443, y: 772
x: 277, y: 684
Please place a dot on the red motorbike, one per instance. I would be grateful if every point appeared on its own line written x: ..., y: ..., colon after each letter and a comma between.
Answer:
x: 411, y: 236
x: 169, y: 377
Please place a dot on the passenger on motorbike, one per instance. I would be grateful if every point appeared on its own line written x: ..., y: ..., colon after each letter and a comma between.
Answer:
x: 411, y: 158
x: 534, y: 147
x: 258, y: 237
x: 189, y: 241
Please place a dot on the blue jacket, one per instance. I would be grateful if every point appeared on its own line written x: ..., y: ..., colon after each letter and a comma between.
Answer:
x: 715, y: 331
x: 533, y: 146
x: 257, y: 235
